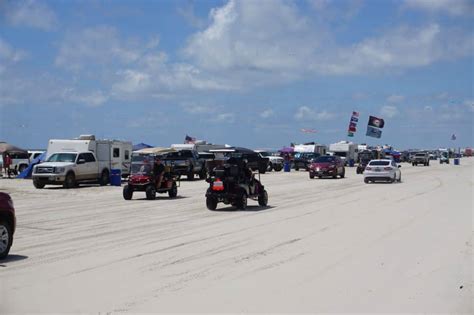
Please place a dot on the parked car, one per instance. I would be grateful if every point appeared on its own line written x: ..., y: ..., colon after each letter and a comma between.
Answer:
x: 7, y: 224
x: 20, y: 162
x: 303, y: 160
x: 382, y: 170
x: 327, y: 166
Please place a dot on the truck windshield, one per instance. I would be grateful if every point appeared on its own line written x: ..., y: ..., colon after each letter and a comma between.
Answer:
x: 62, y: 157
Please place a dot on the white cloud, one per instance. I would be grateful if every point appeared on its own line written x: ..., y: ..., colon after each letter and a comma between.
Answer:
x: 305, y: 113
x: 31, y: 13
x: 394, y: 98
x: 9, y: 55
x: 452, y: 7
x: 224, y: 118
x: 389, y: 111
x: 267, y: 113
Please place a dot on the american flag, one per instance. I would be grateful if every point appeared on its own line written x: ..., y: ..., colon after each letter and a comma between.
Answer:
x: 189, y: 140
x: 305, y: 130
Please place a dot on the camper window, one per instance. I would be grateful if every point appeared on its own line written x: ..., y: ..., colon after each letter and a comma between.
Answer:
x: 116, y: 152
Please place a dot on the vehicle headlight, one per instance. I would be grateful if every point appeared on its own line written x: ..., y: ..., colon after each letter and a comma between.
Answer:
x: 59, y: 170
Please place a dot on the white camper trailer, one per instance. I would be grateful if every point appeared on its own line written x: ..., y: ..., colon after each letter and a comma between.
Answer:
x: 311, y: 148
x: 344, y: 149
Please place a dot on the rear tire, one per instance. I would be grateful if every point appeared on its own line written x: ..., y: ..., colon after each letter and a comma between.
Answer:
x: 70, y: 181
x: 270, y: 167
x: 211, y: 203
x: 263, y: 199
x: 366, y: 180
x: 104, y: 178
x: 190, y: 176
x: 311, y: 175
x: 400, y: 178
x: 278, y: 168
x: 241, y: 204
x: 150, y: 193
x: 343, y: 173
x: 6, y: 239
x: 127, y: 192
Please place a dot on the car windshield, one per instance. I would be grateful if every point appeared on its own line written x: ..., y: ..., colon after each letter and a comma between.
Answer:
x: 379, y: 163
x: 142, y: 168
x: 305, y: 155
x: 62, y: 157
x: 325, y: 159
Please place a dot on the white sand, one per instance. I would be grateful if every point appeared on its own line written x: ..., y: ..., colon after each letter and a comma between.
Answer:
x: 323, y: 246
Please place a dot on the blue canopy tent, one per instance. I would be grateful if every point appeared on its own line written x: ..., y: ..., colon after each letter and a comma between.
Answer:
x: 29, y: 170
x: 141, y: 146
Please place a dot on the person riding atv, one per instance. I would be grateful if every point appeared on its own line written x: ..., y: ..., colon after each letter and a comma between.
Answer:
x: 232, y: 181
x: 150, y: 175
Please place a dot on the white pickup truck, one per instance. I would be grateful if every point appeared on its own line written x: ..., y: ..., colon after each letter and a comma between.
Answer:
x: 275, y: 162
x: 69, y: 169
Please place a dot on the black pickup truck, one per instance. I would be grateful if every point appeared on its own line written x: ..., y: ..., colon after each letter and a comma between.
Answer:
x: 187, y: 163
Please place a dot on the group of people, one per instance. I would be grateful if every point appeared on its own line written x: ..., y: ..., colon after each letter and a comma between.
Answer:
x: 6, y: 165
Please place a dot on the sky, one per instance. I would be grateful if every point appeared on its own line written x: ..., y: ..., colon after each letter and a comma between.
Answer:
x: 248, y: 73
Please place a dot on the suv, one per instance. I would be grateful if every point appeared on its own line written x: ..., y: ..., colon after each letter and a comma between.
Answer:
x: 303, y: 160
x: 275, y: 162
x: 7, y: 224
x: 187, y: 162
x: 327, y: 166
x: 421, y: 158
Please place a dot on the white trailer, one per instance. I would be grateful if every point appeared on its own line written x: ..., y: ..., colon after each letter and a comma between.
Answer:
x: 311, y: 148
x: 344, y: 149
x: 111, y: 154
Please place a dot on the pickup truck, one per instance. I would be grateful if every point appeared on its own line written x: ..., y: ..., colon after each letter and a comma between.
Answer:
x: 187, y: 162
x: 69, y: 169
x: 275, y: 162
x: 421, y: 158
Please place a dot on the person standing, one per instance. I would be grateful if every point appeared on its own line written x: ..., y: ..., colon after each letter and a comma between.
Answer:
x: 7, y: 162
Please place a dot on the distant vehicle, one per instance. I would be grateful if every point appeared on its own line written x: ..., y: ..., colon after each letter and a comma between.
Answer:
x: 187, y: 163
x: 304, y: 160
x: 230, y: 181
x: 20, y: 162
x: 443, y: 156
x: 364, y: 158
x: 69, y: 162
x: 433, y: 156
x: 311, y: 148
x: 421, y: 158
x: 143, y: 179
x: 7, y: 224
x: 34, y: 154
x: 382, y: 170
x: 468, y: 152
x: 327, y: 166
x: 347, y: 151
x: 275, y: 162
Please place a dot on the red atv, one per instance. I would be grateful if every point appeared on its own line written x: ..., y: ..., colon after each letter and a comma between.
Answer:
x: 142, y: 178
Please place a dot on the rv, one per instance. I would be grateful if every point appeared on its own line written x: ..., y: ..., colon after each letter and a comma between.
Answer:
x: 320, y: 149
x: 346, y: 150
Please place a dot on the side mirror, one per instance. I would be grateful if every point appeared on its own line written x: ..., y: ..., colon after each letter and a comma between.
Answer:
x: 81, y: 161
x: 399, y: 166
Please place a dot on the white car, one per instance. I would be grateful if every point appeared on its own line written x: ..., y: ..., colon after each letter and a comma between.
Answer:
x: 382, y: 170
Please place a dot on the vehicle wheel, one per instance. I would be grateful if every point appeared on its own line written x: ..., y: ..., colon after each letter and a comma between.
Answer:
x: 70, y: 181
x: 400, y: 178
x: 211, y: 203
x: 334, y: 176
x: 173, y: 192
x: 270, y: 167
x: 242, y: 202
x: 22, y: 168
x: 320, y: 176
x: 38, y: 184
x: 428, y: 164
x: 343, y: 173
x: 104, y: 178
x: 311, y: 175
x: 203, y: 173
x: 190, y: 175
x: 392, y: 180
x: 412, y: 164
x: 6, y: 239
x: 366, y: 180
x: 278, y: 168
x: 263, y: 170
x: 127, y: 192
x: 263, y: 199
x: 297, y: 168
x: 150, y: 193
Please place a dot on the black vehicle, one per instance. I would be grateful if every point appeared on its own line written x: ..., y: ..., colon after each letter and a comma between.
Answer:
x: 364, y: 158
x: 187, y: 163
x: 231, y: 181
x: 303, y: 160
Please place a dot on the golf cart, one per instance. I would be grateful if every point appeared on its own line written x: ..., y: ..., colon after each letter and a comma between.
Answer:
x: 231, y: 180
x: 143, y: 179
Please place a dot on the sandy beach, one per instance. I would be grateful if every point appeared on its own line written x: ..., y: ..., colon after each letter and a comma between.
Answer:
x: 329, y: 245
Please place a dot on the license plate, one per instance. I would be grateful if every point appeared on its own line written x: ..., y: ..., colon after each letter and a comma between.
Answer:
x: 378, y: 169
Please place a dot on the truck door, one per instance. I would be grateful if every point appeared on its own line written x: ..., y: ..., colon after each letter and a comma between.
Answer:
x: 82, y: 171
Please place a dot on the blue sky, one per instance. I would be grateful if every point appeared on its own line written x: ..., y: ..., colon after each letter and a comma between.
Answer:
x: 248, y: 73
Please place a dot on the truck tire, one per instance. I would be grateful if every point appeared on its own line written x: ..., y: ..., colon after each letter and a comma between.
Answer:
x: 263, y: 199
x: 127, y: 192
x: 104, y: 178
x: 6, y: 238
x: 270, y: 167
x: 173, y: 192
x: 150, y: 193
x: 278, y: 168
x: 211, y: 203
x: 38, y: 184
x: 70, y: 180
